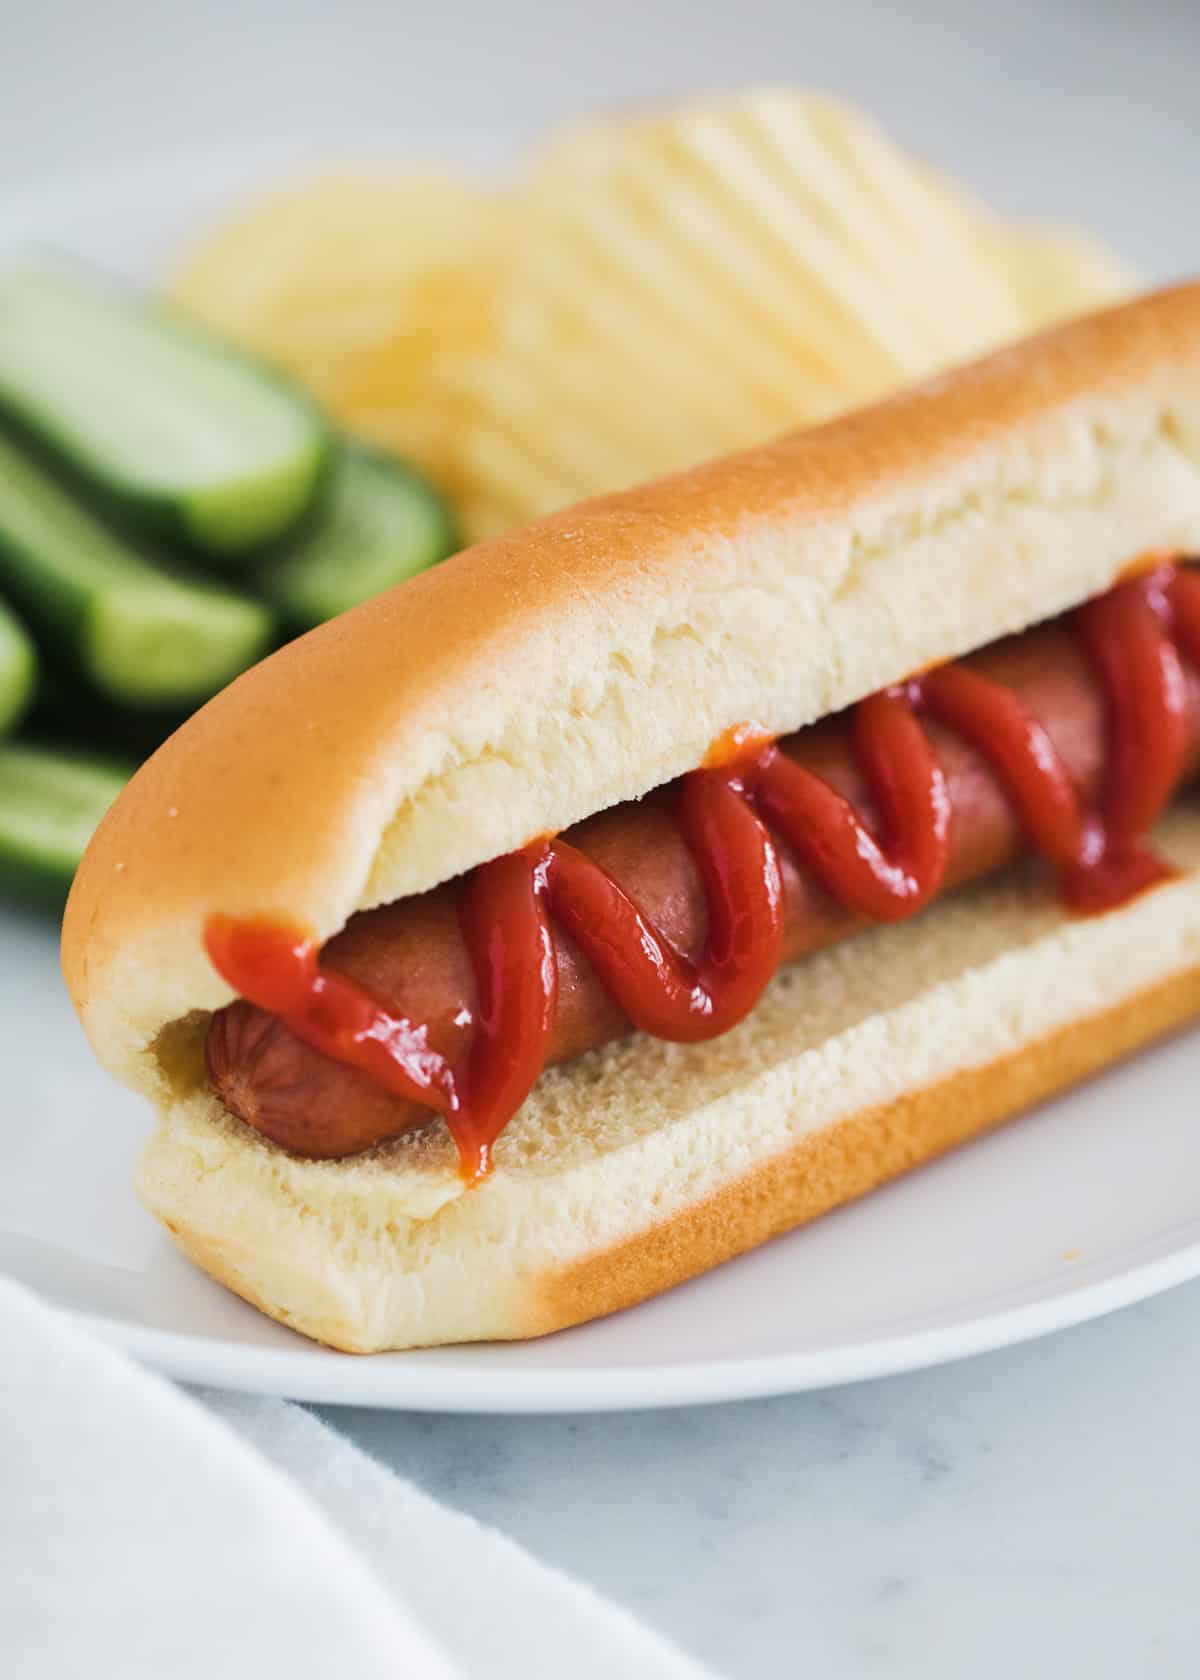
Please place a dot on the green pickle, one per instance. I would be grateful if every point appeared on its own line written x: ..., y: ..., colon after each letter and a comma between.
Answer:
x: 179, y: 434
x: 18, y: 670
x: 51, y: 800
x: 381, y: 523
x: 138, y: 635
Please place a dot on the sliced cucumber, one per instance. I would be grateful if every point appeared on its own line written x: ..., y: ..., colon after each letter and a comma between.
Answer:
x: 181, y: 433
x: 380, y: 523
x: 18, y: 669
x: 139, y: 636
x: 51, y: 800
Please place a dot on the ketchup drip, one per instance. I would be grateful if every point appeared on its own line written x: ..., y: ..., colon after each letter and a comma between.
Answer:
x: 1132, y: 636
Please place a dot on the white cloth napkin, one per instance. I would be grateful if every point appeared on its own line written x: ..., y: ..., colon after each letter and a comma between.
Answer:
x: 155, y: 1536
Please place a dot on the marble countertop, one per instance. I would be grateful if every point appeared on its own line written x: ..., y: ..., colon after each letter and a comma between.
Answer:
x: 1036, y: 1510
x: 1033, y: 1511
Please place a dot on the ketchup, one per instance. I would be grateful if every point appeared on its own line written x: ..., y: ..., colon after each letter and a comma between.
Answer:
x: 1132, y: 636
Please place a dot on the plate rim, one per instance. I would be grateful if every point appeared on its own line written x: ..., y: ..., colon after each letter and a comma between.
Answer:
x: 419, y: 1382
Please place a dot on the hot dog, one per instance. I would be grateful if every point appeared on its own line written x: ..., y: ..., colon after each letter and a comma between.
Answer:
x: 470, y: 902
x: 412, y: 953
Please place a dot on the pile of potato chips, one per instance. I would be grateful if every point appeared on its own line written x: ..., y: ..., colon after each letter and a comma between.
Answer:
x: 649, y: 291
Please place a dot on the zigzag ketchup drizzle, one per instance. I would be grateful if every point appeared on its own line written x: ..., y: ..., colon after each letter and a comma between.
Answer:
x: 727, y: 809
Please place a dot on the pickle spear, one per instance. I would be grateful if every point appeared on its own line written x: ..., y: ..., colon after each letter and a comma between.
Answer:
x: 138, y: 635
x: 380, y: 523
x: 51, y: 800
x: 18, y: 669
x: 179, y: 434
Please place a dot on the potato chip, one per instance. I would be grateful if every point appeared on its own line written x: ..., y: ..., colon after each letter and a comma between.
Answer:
x: 654, y: 289
x: 1051, y: 272
x: 692, y: 281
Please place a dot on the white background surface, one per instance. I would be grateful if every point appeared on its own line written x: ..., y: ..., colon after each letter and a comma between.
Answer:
x: 1032, y: 1511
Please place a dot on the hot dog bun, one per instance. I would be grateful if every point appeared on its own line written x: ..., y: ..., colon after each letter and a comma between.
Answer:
x: 580, y: 662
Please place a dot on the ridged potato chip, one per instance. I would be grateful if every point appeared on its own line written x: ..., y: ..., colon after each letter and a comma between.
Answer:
x: 692, y: 281
x: 654, y: 289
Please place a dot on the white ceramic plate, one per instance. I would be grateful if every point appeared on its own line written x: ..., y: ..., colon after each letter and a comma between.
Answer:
x: 1081, y: 1207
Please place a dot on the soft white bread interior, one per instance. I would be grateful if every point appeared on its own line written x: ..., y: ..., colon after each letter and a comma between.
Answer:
x: 580, y: 662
